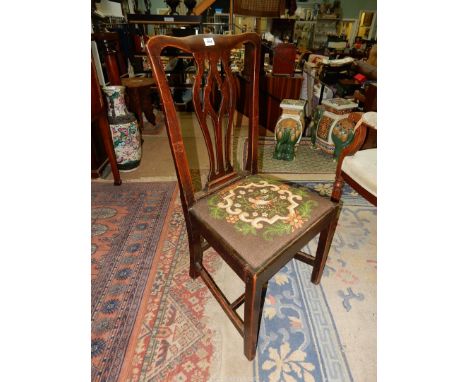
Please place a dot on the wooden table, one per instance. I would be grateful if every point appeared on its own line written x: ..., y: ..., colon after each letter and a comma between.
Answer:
x: 138, y: 89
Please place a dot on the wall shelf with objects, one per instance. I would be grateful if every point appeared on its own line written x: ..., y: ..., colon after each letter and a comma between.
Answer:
x: 166, y: 24
x: 304, y: 34
x: 176, y: 62
x: 163, y: 19
x: 324, y: 28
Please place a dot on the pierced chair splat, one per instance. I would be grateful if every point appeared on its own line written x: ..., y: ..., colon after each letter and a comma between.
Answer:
x: 257, y: 224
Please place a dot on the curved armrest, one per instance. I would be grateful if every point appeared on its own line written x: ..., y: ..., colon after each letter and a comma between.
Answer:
x: 356, y: 143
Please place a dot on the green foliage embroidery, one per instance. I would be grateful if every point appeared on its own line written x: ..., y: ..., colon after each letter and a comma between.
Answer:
x: 245, y: 228
x: 305, y: 208
x: 277, y: 229
x: 215, y: 211
x: 300, y: 191
x: 273, y: 181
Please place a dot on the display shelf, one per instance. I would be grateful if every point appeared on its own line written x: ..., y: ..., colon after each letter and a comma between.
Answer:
x: 163, y: 19
x: 323, y: 28
x: 303, y: 34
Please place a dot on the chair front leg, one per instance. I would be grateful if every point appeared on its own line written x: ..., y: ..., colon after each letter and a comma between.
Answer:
x: 196, y: 252
x: 337, y: 188
x: 325, y: 240
x: 254, y: 297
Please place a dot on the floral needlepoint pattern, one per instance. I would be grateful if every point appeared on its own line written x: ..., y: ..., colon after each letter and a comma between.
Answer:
x: 262, y: 207
x: 287, y: 365
x: 324, y: 189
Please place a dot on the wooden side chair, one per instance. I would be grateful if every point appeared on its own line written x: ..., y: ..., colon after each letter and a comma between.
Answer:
x: 358, y: 167
x: 256, y: 224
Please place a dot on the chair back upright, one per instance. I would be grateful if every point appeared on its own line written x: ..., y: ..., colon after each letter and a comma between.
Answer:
x: 210, y: 53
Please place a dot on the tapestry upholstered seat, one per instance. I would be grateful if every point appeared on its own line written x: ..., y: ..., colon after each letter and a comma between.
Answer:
x: 260, y: 212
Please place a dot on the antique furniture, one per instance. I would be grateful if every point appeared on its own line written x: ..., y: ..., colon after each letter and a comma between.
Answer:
x: 102, y: 136
x: 368, y: 101
x: 358, y: 167
x: 114, y: 60
x: 334, y: 110
x: 273, y: 89
x: 289, y: 128
x: 256, y: 224
x: 259, y: 8
x: 139, y: 98
x: 284, y: 57
x: 283, y: 29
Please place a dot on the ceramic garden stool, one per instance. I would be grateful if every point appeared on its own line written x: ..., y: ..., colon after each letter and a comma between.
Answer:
x: 124, y: 128
x: 334, y: 110
x: 289, y: 128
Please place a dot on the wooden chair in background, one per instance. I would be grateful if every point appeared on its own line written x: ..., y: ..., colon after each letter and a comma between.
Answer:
x: 256, y: 224
x: 358, y: 167
x: 99, y: 119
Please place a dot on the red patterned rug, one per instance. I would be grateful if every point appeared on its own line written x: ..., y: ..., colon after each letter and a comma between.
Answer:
x: 127, y: 222
x: 173, y: 343
x: 180, y: 332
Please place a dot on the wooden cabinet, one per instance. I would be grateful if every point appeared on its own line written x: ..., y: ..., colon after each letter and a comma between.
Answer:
x: 273, y: 89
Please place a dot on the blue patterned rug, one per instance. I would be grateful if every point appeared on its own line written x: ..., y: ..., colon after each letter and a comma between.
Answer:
x: 299, y: 339
x: 308, y: 332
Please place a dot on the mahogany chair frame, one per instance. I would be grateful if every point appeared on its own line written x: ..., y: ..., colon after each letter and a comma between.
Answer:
x: 356, y: 144
x: 99, y: 116
x: 221, y: 174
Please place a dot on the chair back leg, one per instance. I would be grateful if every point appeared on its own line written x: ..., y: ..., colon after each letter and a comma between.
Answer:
x: 323, y: 248
x: 254, y: 298
x: 196, y: 252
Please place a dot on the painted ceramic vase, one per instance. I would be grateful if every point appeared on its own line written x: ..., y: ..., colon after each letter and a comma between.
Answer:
x: 124, y: 129
x: 190, y: 4
x: 289, y: 128
x: 173, y: 4
x: 343, y: 132
x: 334, y: 110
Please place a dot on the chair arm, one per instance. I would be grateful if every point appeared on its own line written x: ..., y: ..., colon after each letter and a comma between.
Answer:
x: 358, y: 140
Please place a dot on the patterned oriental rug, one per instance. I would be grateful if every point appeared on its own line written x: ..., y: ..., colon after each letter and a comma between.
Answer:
x: 127, y: 222
x: 308, y: 332
x: 308, y: 160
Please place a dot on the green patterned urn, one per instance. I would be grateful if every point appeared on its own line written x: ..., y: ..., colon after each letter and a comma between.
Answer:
x: 124, y: 129
x: 288, y: 130
x: 334, y: 111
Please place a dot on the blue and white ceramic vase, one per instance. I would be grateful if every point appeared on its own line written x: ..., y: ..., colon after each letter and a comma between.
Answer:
x: 124, y: 129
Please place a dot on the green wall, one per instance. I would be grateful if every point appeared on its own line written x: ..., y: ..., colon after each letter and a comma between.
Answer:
x: 351, y: 8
